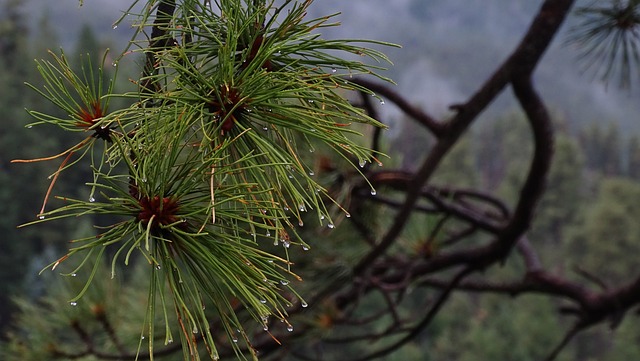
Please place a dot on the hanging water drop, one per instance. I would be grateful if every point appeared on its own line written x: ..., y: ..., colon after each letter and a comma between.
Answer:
x: 289, y: 328
x: 305, y: 247
x: 265, y: 327
x: 91, y: 199
x: 301, y: 223
x: 263, y: 301
x: 286, y: 208
x: 268, y: 234
x: 234, y: 339
x: 312, y: 173
x: 304, y: 304
x: 303, y: 208
x: 334, y: 70
x: 286, y: 244
x: 170, y: 340
x: 322, y: 217
x: 195, y: 329
x: 348, y: 215
x: 275, y: 242
x: 331, y: 225
x: 73, y: 303
x: 373, y: 192
x: 381, y: 102
x: 284, y: 282
x: 73, y: 275
x: 362, y: 163
x: 265, y: 128
x: 29, y: 126
x: 158, y: 267
x: 41, y: 216
x: 115, y: 26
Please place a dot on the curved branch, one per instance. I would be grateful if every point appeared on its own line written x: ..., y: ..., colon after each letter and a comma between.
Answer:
x: 522, y: 61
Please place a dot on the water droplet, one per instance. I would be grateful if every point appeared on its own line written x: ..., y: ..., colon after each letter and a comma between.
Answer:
x: 289, y: 328
x: 310, y: 101
x: 305, y: 247
x: 312, y: 173
x: 91, y: 199
x: 331, y: 225
x: 286, y: 244
x: 348, y: 215
x: 265, y: 129
x: 195, y: 329
x: 362, y: 163
x: 301, y: 223
x: 41, y: 217
x: 284, y: 282
x: 143, y: 180
x: 265, y: 327
x: 322, y: 217
x: 29, y: 126
x: 286, y: 208
x: 262, y: 300
x: 381, y: 102
x: 142, y: 337
x: 303, y: 208
x: 115, y: 26
x: 373, y: 192
x: 290, y: 176
x: 158, y: 267
x: 73, y: 303
x: 170, y: 340
x: 334, y: 70
x: 304, y: 304
x: 311, y: 150
x: 234, y: 339
x: 74, y: 275
x: 275, y: 242
x: 114, y: 64
x: 268, y: 234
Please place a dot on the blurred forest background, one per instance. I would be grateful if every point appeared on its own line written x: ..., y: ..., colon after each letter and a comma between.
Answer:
x: 448, y: 49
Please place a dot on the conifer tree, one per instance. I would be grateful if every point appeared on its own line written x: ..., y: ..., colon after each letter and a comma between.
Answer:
x: 204, y: 168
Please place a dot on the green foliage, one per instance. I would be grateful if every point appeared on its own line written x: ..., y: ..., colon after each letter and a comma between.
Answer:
x: 609, y: 231
x: 204, y: 169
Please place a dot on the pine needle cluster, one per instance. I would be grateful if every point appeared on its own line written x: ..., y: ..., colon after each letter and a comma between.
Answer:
x: 609, y: 39
x: 203, y: 171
